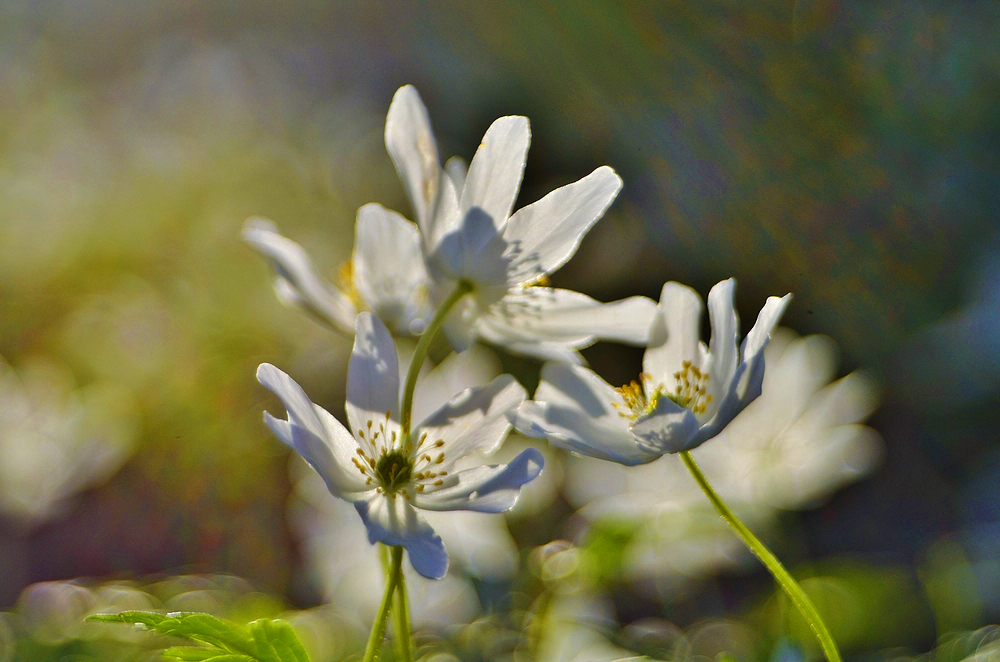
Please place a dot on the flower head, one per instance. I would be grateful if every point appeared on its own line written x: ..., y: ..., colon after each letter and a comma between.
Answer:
x: 686, y: 395
x: 387, y: 472
x: 470, y: 236
x: 386, y: 274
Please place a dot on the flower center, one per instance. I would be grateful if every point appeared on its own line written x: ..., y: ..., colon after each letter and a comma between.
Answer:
x: 636, y: 402
x: 398, y: 468
x: 393, y: 470
x: 690, y: 390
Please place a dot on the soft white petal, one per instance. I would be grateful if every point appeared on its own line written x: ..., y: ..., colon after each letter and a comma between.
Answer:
x: 473, y: 421
x: 474, y: 367
x: 411, y: 146
x: 388, y: 269
x: 544, y: 235
x: 668, y: 429
x: 581, y: 388
x: 485, y: 489
x: 723, y: 346
x: 372, y: 376
x: 545, y: 314
x: 312, y: 432
x: 495, y: 172
x: 474, y: 252
x: 296, y: 282
x: 393, y: 521
x: 749, y: 385
x: 674, y: 334
x: 457, y: 171
x: 542, y: 351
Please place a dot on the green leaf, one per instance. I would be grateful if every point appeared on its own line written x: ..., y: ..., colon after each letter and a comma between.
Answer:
x: 189, y: 654
x: 276, y: 641
x: 264, y: 640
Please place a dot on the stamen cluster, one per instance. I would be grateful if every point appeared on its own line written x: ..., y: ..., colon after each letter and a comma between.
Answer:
x: 690, y: 391
x: 397, y: 468
x: 636, y: 401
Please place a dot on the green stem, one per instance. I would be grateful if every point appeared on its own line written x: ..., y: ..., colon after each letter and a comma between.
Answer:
x: 401, y: 623
x: 378, y: 627
x: 790, y: 586
x: 420, y: 353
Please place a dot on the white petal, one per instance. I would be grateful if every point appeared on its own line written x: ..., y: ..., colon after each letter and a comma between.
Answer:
x: 487, y: 489
x: 312, y: 432
x: 411, y: 146
x: 669, y: 429
x: 388, y: 269
x: 578, y: 387
x: 372, y: 376
x: 674, y: 334
x: 393, y: 521
x: 473, y: 421
x: 574, y: 430
x: 751, y: 380
x: 457, y: 171
x: 478, y: 543
x: 296, y: 282
x: 495, y: 172
x: 473, y: 252
x: 545, y: 314
x: 542, y: 351
x: 476, y: 366
x: 723, y: 346
x: 544, y: 235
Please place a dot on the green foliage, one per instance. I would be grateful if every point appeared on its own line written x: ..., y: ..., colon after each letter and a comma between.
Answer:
x: 263, y: 640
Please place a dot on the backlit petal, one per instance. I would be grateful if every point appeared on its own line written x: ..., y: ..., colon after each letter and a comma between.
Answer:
x: 486, y: 489
x: 393, y: 521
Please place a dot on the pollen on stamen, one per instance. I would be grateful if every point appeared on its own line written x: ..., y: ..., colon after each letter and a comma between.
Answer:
x: 691, y: 390
x: 635, y: 401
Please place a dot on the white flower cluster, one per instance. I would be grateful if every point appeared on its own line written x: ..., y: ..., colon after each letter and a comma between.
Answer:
x: 475, y: 270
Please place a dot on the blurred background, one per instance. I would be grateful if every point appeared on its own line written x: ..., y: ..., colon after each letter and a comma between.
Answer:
x: 842, y: 151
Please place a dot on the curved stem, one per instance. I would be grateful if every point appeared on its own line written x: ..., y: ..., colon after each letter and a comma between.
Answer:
x: 401, y: 623
x: 420, y: 353
x: 378, y: 627
x: 790, y: 586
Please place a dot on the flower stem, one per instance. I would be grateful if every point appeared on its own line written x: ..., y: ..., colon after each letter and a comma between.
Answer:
x: 420, y: 353
x: 401, y: 622
x: 378, y: 627
x: 790, y: 586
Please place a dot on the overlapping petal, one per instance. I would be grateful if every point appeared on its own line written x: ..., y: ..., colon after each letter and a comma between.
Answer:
x: 411, y: 146
x: 372, y: 375
x: 544, y: 235
x: 485, y: 489
x: 389, y: 270
x: 393, y: 521
x: 319, y: 438
x: 494, y: 176
x: 296, y: 282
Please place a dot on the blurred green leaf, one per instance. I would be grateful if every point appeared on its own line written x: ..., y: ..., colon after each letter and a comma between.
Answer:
x: 264, y: 640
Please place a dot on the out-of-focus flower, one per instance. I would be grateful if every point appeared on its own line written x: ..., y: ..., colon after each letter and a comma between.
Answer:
x: 388, y: 475
x: 386, y: 275
x: 55, y: 439
x: 469, y: 236
x: 686, y: 395
x: 792, y: 447
x: 347, y: 572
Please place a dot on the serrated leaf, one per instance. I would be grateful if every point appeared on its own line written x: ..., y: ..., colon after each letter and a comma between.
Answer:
x: 277, y: 642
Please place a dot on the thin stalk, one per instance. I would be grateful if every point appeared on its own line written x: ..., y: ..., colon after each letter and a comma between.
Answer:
x: 785, y: 580
x: 420, y: 353
x: 401, y: 622
x: 378, y: 627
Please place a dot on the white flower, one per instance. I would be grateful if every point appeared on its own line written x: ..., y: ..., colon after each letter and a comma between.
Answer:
x: 796, y: 444
x: 386, y: 274
x: 387, y: 476
x: 350, y: 576
x: 470, y: 237
x: 686, y: 395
